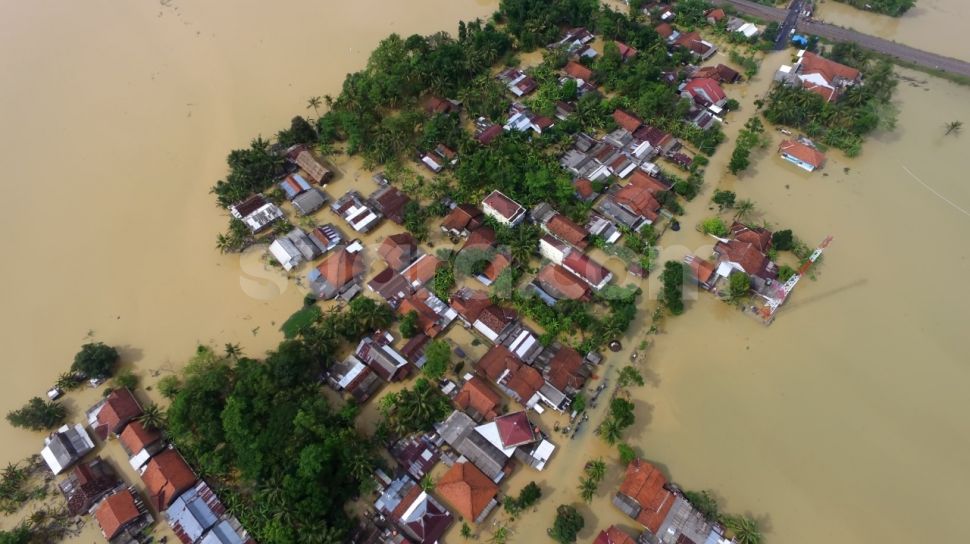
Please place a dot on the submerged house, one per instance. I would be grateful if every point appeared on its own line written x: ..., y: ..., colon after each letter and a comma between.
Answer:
x: 326, y: 237
x: 166, y: 476
x: 354, y: 377
x: 122, y: 516
x: 469, y: 491
x: 359, y: 213
x: 377, y: 353
x: 419, y: 515
x: 309, y: 201
x: 285, y: 252
x: 302, y: 156
x: 801, y: 155
x: 398, y: 250
x: 477, y: 399
x: 338, y: 273
x: 66, y: 446
x: 390, y: 202
x: 198, y: 516
x: 87, y: 484
x: 417, y: 454
x: 256, y: 213
x: 518, y: 82
x: 517, y: 380
x: 644, y: 496
x: 462, y: 220
x: 293, y: 185
x: 110, y: 416
x: 140, y: 443
x: 458, y: 431
x: 819, y: 75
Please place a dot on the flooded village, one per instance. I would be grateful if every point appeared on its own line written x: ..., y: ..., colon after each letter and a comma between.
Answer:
x: 523, y: 358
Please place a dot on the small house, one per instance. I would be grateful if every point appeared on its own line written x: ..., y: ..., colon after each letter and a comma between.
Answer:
x: 518, y: 381
x: 398, y: 250
x: 586, y: 269
x: 503, y: 209
x: 613, y: 535
x: 477, y: 399
x: 354, y: 377
x: 422, y: 270
x: 469, y: 491
x: 418, y: 514
x: 390, y: 202
x: 110, y: 416
x: 140, y: 443
x: 434, y: 316
x: 304, y: 244
x: 122, y: 516
x: 801, y: 155
x: 391, y: 286
x: 461, y: 220
x: 199, y: 516
x: 719, y: 73
x: 307, y: 160
x: 293, y: 185
x: 377, y: 353
x: 643, y: 495
x: 309, y: 201
x: 166, y: 476
x: 326, y: 237
x: 458, y: 431
x: 285, y: 252
x: 87, y: 484
x: 705, y: 92
x: 360, y: 214
x: 438, y: 158
x: 66, y: 446
x: 560, y: 283
x: 518, y: 82
x: 416, y: 454
x: 338, y: 272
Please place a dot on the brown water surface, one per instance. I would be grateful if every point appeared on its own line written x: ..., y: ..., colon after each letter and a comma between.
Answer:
x: 842, y: 422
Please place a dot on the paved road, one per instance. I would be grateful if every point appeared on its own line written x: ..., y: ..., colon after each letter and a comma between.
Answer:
x: 791, y: 19
x: 837, y: 33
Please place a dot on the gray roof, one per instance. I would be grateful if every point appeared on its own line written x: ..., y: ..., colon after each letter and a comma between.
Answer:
x: 227, y: 531
x: 304, y: 244
x: 309, y: 201
x: 67, y: 445
x: 194, y: 511
x: 684, y: 519
x: 454, y: 429
x: 484, y: 455
x: 609, y: 207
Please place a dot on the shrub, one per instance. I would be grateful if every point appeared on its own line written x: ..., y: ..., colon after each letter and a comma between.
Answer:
x: 782, y: 240
x: 409, y: 324
x: 169, y: 386
x: 715, y: 226
x: 38, y: 415
x: 125, y: 380
x: 569, y: 522
x: 95, y: 360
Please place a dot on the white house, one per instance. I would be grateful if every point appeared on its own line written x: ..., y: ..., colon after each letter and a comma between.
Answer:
x: 286, y: 253
x: 503, y: 209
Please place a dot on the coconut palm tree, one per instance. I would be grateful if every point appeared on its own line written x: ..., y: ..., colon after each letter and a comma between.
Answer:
x: 745, y: 530
x: 314, y: 103
x: 233, y: 351
x: 596, y: 470
x: 744, y: 209
x: 953, y: 127
x: 610, y: 431
x: 152, y: 417
x: 587, y: 489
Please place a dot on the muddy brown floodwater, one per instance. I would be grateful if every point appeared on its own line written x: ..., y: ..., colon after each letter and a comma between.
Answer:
x: 930, y: 25
x: 843, y: 422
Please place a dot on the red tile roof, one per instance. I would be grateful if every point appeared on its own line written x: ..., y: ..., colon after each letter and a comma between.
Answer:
x: 120, y: 407
x: 480, y: 238
x: 578, y: 71
x: 115, y: 512
x: 626, y: 51
x: 341, y: 267
x: 167, y: 476
x: 627, y: 120
x: 427, y: 318
x: 489, y: 134
x: 515, y: 429
x: 759, y: 237
x: 565, y: 283
x: 721, y: 73
x: 505, y: 206
x: 398, y: 250
x: 746, y: 255
x: 496, y: 317
x: 523, y: 380
x: 136, y: 437
x: 584, y: 188
x: 717, y: 14
x: 469, y: 303
x: 702, y: 269
x: 646, y: 181
x: 463, y: 216
x: 585, y: 267
x: 803, y: 152
x: 639, y: 200
x: 565, y: 369
x: 706, y: 88
x: 422, y: 270
x: 645, y: 484
x: 476, y: 395
x: 496, y: 266
x: 665, y: 30
x: 467, y: 489
x: 568, y: 230
x: 829, y: 69
x: 613, y: 535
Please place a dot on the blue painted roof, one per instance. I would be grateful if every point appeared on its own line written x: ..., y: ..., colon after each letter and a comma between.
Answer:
x: 222, y: 533
x: 191, y: 513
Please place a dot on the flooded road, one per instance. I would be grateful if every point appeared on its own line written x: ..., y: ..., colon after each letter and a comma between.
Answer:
x: 930, y: 25
x: 843, y: 421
